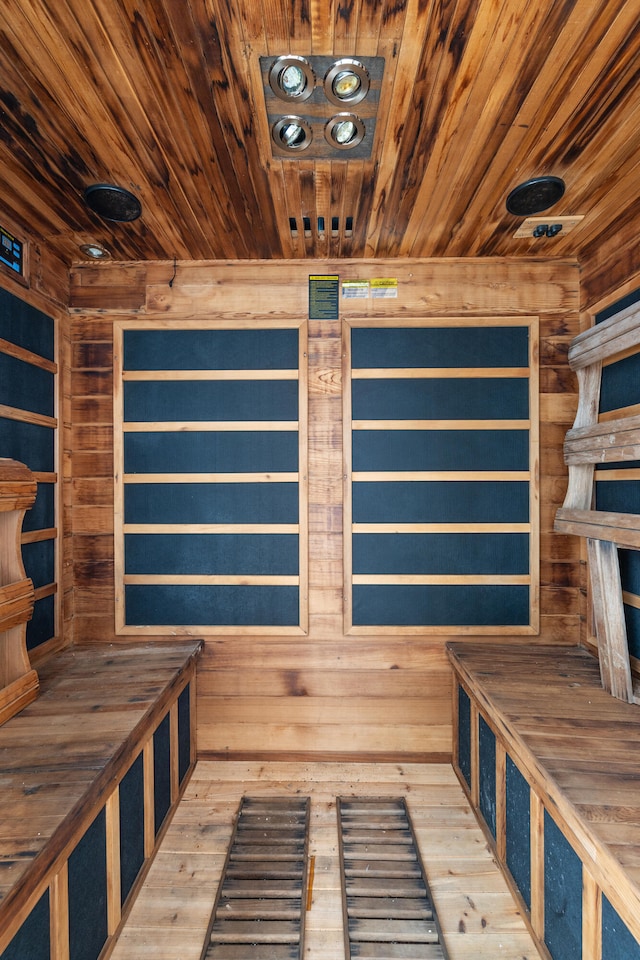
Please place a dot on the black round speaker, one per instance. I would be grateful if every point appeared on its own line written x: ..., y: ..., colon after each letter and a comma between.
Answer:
x: 534, y: 196
x: 112, y: 202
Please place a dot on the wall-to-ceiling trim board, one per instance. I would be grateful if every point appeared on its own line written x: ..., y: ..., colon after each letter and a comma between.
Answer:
x: 211, y: 476
x: 441, y: 476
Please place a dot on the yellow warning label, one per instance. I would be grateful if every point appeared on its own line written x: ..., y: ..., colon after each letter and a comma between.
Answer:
x: 384, y: 287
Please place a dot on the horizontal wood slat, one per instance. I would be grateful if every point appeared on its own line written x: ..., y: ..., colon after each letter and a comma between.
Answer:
x: 606, y: 339
x: 440, y: 424
x: 620, y: 528
x: 609, y: 442
x: 207, y: 426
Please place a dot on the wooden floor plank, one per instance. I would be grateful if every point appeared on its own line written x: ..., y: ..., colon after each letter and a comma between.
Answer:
x: 453, y: 847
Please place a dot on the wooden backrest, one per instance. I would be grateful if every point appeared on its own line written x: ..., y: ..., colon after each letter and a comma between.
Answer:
x: 588, y: 443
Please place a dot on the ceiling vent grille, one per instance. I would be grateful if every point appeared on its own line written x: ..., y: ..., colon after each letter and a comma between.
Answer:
x: 320, y: 226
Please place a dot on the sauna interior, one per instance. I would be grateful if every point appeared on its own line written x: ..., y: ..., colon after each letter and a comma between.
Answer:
x: 319, y: 469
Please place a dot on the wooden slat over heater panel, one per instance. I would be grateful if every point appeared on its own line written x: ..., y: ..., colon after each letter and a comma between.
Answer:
x: 28, y: 425
x: 441, y: 487
x: 210, y: 499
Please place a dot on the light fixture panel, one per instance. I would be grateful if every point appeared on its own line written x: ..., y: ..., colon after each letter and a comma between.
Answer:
x: 95, y: 251
x: 316, y: 107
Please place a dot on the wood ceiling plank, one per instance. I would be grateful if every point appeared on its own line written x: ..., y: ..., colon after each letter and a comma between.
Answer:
x: 167, y: 99
x: 33, y: 123
x: 543, y: 122
x: 276, y: 26
x: 337, y: 204
x: 135, y: 146
x: 322, y: 180
x: 345, y: 28
x: 418, y: 64
x: 235, y: 109
x: 174, y: 100
x: 322, y: 26
x: 496, y: 67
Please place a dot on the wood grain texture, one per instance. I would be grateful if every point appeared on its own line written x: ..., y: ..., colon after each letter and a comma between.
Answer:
x: 324, y: 694
x: 167, y: 99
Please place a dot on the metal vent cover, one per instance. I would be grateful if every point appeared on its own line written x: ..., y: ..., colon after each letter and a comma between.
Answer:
x: 334, y: 226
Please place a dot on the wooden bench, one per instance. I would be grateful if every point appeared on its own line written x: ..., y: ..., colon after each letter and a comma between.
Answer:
x: 90, y: 773
x: 550, y: 762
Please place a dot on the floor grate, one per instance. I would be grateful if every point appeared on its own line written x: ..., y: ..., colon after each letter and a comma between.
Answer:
x: 387, y: 906
x: 261, y: 901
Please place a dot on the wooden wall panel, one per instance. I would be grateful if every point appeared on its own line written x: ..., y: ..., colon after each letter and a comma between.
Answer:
x: 324, y: 694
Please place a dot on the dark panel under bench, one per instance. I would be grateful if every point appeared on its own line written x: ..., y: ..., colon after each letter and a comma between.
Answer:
x: 91, y: 773
x: 551, y: 764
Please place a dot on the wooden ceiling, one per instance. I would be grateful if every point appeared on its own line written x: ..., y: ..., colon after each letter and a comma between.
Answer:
x: 165, y: 98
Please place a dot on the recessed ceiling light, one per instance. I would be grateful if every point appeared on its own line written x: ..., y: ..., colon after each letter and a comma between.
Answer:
x: 112, y: 202
x: 347, y: 81
x: 291, y: 78
x: 292, y: 133
x: 535, y: 195
x: 344, y: 131
x: 95, y: 251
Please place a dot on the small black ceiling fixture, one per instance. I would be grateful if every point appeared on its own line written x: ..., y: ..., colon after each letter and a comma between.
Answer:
x: 535, y: 195
x: 112, y: 202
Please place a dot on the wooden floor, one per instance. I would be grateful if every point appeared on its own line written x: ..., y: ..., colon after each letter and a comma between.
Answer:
x: 478, y: 916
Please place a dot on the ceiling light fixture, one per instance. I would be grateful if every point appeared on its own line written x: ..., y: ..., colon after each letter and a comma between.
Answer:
x: 347, y: 81
x: 112, y: 202
x: 95, y: 251
x: 304, y: 95
x: 344, y: 131
x: 535, y: 195
x: 292, y: 133
x: 292, y: 78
